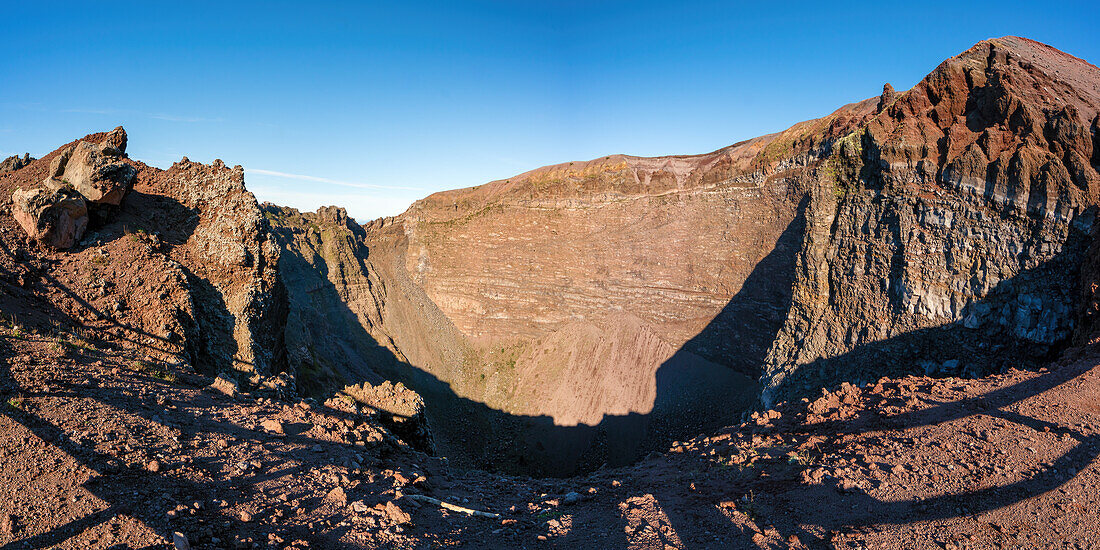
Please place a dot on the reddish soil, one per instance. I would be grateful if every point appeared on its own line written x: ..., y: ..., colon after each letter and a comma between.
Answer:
x: 98, y: 454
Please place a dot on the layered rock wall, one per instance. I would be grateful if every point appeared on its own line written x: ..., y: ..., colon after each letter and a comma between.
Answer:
x: 948, y: 235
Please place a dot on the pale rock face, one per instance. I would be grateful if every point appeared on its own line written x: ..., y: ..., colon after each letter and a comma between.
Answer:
x: 55, y: 218
x: 231, y: 251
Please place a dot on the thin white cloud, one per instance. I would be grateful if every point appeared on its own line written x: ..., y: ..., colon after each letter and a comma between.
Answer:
x: 92, y: 111
x: 116, y: 112
x: 177, y: 118
x: 329, y: 181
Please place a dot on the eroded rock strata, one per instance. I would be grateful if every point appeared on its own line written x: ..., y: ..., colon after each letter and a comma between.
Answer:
x: 947, y: 235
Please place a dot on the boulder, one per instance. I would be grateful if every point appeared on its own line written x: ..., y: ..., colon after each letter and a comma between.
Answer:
x: 400, y: 409
x: 95, y: 170
x: 225, y: 384
x: 53, y: 217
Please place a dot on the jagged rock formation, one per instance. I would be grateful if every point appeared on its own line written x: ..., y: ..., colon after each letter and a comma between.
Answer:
x: 15, y: 162
x: 182, y: 265
x: 230, y: 260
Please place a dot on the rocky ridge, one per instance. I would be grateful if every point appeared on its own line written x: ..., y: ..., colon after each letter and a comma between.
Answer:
x: 15, y: 162
x: 198, y: 281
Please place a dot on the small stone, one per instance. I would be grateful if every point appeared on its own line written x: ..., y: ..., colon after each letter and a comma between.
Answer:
x: 153, y: 466
x: 396, y: 514
x: 225, y: 385
x: 273, y: 426
x: 246, y: 517
x: 7, y: 524
x: 571, y: 497
x: 180, y: 542
x: 337, y: 496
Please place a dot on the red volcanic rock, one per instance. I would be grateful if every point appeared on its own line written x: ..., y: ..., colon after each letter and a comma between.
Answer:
x: 887, y: 97
x: 95, y: 170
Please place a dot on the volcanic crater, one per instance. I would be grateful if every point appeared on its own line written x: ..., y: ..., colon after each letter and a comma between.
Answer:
x: 580, y: 317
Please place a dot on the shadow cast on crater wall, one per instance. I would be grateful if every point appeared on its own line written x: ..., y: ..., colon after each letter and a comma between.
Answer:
x: 1014, y: 325
x: 702, y: 386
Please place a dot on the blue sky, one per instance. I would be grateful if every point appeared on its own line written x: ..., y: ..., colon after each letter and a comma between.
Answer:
x: 373, y: 105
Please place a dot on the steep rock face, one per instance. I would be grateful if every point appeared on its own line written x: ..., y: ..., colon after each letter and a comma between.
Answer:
x: 225, y: 245
x: 674, y: 241
x: 354, y: 318
x: 582, y: 306
x: 670, y: 239
x: 332, y: 306
x: 948, y: 234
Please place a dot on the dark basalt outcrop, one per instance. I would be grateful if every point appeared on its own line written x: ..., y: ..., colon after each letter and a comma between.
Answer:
x: 15, y: 162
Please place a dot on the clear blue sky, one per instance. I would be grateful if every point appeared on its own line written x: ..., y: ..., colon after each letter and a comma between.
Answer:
x: 385, y: 103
